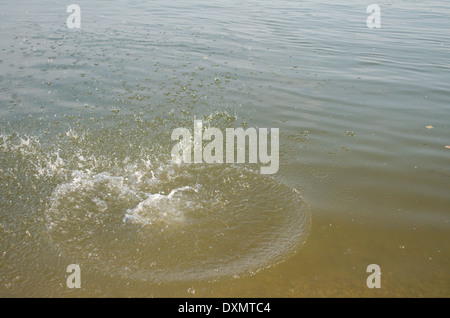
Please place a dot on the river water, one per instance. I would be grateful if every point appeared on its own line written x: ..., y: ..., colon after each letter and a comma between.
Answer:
x: 86, y: 175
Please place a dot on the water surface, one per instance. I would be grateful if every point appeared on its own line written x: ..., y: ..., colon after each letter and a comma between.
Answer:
x: 86, y: 175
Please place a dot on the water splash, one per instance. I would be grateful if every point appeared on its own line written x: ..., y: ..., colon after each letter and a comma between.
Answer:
x: 123, y: 207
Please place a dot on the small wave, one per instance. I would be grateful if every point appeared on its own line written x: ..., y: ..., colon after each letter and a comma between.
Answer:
x: 162, y: 208
x: 128, y: 210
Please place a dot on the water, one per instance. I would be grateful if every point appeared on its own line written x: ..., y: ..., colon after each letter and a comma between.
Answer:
x: 86, y: 175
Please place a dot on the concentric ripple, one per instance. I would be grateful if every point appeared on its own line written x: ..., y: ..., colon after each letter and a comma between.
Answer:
x: 120, y: 207
x: 176, y: 222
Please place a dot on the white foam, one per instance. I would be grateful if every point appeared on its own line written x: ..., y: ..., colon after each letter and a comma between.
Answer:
x: 162, y: 208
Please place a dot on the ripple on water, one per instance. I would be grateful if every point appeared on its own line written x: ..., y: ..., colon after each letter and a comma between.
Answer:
x: 321, y: 175
x: 131, y: 214
x: 181, y: 222
x: 347, y: 195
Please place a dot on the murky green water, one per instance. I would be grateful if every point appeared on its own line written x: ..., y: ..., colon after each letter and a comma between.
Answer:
x: 86, y: 175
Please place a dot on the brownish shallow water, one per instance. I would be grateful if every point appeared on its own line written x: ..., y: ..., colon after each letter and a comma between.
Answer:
x: 86, y: 175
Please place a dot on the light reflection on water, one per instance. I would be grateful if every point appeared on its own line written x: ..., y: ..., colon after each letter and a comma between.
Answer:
x: 352, y: 105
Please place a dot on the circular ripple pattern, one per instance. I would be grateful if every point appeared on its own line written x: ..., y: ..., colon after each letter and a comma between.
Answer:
x: 321, y: 175
x: 176, y: 222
